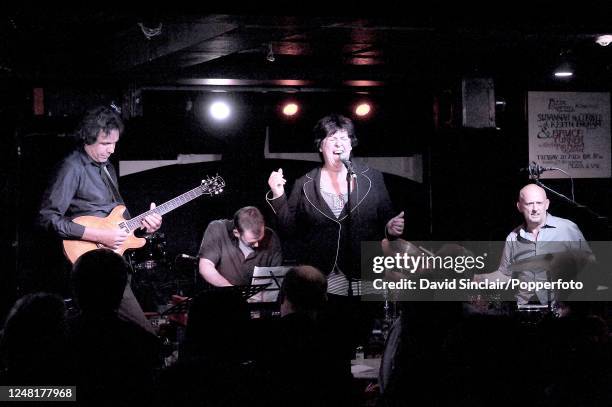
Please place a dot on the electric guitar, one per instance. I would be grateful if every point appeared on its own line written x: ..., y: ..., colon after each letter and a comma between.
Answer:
x: 73, y: 249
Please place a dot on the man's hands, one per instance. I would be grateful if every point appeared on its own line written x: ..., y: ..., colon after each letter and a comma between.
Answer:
x: 151, y: 223
x: 112, y: 238
x: 277, y: 183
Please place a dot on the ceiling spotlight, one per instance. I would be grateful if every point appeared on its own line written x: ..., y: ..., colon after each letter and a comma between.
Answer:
x: 604, y: 40
x: 565, y: 67
x: 270, y: 56
x: 363, y: 109
x: 220, y: 110
x: 290, y: 109
x: 149, y: 32
x: 564, y: 70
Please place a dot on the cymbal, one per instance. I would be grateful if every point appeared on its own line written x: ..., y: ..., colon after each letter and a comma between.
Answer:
x: 392, y: 247
x: 568, y: 264
x: 558, y: 262
x: 453, y: 250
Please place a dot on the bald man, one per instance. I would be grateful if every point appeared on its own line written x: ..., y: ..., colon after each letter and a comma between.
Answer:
x: 540, y: 234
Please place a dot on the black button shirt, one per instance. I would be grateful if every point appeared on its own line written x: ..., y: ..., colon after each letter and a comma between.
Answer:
x: 76, y: 189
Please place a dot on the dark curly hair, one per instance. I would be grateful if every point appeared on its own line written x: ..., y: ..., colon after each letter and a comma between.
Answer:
x: 330, y: 125
x: 98, y: 119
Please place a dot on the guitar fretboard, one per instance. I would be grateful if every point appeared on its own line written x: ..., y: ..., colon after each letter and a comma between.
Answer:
x: 166, y: 207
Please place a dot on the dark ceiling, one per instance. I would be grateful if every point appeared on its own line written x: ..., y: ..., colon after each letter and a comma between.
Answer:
x: 363, y: 48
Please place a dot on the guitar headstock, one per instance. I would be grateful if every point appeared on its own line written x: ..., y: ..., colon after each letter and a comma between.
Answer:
x: 212, y: 186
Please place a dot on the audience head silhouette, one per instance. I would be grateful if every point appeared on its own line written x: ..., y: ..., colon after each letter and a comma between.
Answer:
x: 34, y: 341
x: 99, y: 278
x: 217, y: 326
x: 304, y: 289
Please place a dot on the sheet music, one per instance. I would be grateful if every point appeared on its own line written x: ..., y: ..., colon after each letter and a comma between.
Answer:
x: 272, y: 275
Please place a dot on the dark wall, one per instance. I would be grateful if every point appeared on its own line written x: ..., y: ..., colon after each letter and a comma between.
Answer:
x: 42, y: 142
x: 475, y: 173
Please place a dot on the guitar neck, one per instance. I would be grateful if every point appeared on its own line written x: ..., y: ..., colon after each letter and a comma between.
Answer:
x: 166, y: 207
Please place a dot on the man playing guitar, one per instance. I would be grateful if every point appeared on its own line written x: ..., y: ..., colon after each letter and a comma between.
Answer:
x: 86, y: 184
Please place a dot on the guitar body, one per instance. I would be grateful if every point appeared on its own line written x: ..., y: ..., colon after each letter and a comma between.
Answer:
x: 73, y: 249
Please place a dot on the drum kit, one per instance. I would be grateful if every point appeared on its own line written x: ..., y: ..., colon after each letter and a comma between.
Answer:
x: 391, y: 248
x: 154, y: 281
x: 152, y: 254
x: 563, y: 265
x: 156, y: 277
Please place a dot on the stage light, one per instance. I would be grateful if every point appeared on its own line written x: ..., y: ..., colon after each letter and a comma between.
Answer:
x: 604, y: 40
x: 270, y: 55
x: 564, y: 70
x: 220, y: 110
x: 363, y: 109
x: 290, y: 109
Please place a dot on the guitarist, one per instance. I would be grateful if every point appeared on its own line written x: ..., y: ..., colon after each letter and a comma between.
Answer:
x: 86, y: 184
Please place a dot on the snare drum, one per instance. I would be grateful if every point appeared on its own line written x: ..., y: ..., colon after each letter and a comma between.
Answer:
x: 531, y: 314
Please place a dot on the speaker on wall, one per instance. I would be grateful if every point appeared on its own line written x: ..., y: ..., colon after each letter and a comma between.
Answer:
x: 478, y: 103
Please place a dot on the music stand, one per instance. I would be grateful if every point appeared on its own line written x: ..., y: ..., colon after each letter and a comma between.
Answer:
x: 245, y: 291
x: 178, y: 312
x: 179, y: 308
x: 272, y: 277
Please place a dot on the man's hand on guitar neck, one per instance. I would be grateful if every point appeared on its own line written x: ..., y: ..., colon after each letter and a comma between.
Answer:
x: 151, y: 223
x: 111, y: 238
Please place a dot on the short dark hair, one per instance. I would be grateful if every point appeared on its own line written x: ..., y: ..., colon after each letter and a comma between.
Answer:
x: 332, y: 124
x: 98, y: 119
x: 305, y: 287
x: 248, y: 218
x: 99, y: 278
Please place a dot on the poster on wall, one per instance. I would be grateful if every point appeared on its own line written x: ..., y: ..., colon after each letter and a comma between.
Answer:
x: 570, y: 131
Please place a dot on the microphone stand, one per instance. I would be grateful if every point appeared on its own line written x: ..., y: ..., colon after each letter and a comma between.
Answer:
x: 18, y: 180
x: 536, y: 178
x: 349, y: 232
